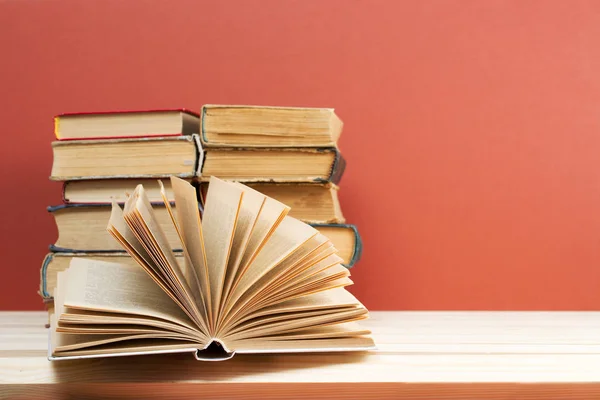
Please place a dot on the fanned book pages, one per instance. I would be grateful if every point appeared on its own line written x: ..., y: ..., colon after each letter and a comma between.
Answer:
x: 252, y: 280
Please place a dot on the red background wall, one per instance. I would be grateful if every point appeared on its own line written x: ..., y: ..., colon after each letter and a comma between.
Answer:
x: 472, y: 128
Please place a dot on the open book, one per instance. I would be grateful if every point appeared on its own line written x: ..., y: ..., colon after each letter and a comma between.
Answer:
x: 252, y: 280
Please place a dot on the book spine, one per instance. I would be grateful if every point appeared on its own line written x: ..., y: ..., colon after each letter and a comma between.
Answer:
x: 358, y: 244
x: 43, y: 289
x: 199, y: 155
x: 203, y: 138
x: 64, y: 191
x: 338, y: 168
x: 57, y: 127
x: 358, y: 247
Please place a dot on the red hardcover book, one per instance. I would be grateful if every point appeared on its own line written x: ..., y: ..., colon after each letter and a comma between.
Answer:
x: 126, y: 124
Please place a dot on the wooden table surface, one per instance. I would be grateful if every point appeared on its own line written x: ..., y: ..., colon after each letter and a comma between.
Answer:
x: 437, y: 355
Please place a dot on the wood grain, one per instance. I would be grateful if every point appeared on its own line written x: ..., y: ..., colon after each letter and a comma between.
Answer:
x: 437, y: 355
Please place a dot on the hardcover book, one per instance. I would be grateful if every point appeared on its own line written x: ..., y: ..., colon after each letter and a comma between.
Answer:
x: 98, y: 191
x: 274, y: 165
x: 254, y: 280
x: 82, y: 227
x: 346, y: 239
x: 126, y: 124
x: 260, y: 126
x: 59, y: 261
x: 314, y: 203
x: 152, y: 157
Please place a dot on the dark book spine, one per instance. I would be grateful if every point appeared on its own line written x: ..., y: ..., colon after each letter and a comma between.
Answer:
x: 64, y: 190
x: 52, y: 209
x: 57, y: 249
x: 43, y: 282
x: 202, y: 131
x: 358, y: 247
x: 338, y: 168
x: 358, y: 244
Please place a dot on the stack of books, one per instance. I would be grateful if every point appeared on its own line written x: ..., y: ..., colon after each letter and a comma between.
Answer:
x: 100, y: 157
x: 289, y: 154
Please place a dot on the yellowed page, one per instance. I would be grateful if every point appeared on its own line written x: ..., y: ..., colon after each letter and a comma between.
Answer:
x: 301, y: 322
x: 69, y: 342
x: 296, y: 260
x: 112, y: 287
x: 324, y: 301
x: 287, y: 238
x: 125, y: 236
x: 88, y: 319
x: 283, y: 317
x: 141, y: 219
x: 271, y: 215
x: 252, y: 204
x: 321, y: 279
x: 140, y: 346
x: 130, y: 242
x: 59, y: 292
x: 277, y: 291
x: 320, y: 265
x: 218, y: 223
x: 270, y: 277
x: 330, y: 261
x: 141, y: 210
x: 109, y: 329
x: 317, y: 287
x: 324, y: 250
x: 186, y: 269
x: 334, y: 298
x: 189, y: 227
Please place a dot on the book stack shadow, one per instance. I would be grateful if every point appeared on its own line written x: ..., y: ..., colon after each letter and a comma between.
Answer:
x: 289, y: 154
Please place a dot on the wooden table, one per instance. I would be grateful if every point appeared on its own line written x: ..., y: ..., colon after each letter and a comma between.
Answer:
x: 437, y: 355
